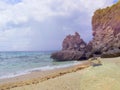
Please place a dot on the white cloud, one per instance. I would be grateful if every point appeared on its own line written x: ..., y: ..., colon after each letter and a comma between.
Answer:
x: 42, y: 9
x: 31, y: 13
x: 17, y: 38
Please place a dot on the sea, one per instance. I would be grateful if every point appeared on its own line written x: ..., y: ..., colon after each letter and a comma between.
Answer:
x: 16, y: 63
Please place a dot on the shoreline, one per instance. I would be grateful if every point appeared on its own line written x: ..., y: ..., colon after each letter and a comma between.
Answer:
x: 37, y: 76
x: 104, y: 77
x: 42, y: 69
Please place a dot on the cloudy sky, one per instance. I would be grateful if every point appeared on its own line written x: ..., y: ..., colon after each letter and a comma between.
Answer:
x: 28, y: 25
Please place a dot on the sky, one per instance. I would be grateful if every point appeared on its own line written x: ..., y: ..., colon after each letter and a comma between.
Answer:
x: 40, y: 25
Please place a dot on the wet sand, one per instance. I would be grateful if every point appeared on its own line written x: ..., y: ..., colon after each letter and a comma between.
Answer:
x: 37, y: 77
x: 104, y: 77
x: 79, y: 77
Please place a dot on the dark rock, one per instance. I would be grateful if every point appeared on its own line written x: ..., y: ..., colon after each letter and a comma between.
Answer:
x: 88, y: 55
x: 73, y: 48
x: 67, y: 55
x: 89, y: 47
x: 106, y: 31
x: 111, y: 53
x: 105, y: 42
x: 73, y: 42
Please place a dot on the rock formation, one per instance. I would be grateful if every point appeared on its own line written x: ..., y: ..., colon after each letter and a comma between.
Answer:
x: 106, y: 38
x: 106, y: 31
x: 73, y: 48
x: 73, y: 42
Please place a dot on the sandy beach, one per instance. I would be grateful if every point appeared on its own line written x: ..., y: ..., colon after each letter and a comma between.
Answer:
x: 79, y: 77
x: 37, y: 76
x: 59, y: 45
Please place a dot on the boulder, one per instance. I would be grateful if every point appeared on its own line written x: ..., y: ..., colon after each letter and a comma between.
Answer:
x: 73, y: 42
x: 73, y: 48
x: 67, y: 55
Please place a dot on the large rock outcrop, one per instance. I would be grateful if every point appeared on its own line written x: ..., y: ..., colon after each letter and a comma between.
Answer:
x: 105, y: 42
x: 106, y: 31
x: 73, y: 42
x: 73, y: 48
x: 68, y: 55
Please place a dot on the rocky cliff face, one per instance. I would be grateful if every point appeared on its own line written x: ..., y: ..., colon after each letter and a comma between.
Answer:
x: 106, y: 38
x: 73, y: 42
x: 106, y: 30
x: 73, y: 48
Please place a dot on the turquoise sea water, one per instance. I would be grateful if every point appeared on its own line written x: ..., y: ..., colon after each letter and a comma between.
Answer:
x: 19, y: 63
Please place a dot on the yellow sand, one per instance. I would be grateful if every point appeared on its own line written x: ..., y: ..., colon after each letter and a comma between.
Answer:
x: 105, y: 77
x: 36, y: 77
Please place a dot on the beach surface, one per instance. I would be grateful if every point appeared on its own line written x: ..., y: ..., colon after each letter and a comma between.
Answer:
x: 38, y: 76
x: 79, y: 77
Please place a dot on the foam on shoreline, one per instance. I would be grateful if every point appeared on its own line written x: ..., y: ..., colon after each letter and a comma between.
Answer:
x: 44, y: 68
x: 104, y: 77
x: 38, y: 76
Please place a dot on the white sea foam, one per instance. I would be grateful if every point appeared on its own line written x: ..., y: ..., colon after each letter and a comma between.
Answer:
x: 44, y: 68
x: 54, y: 67
x: 11, y: 75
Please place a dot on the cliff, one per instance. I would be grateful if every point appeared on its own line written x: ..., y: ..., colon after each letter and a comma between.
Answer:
x: 105, y: 42
x: 106, y: 31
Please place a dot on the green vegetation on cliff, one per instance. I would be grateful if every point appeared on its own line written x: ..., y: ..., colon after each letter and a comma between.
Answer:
x: 109, y: 16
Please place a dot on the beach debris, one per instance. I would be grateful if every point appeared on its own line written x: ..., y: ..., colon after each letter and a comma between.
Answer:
x: 95, y: 61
